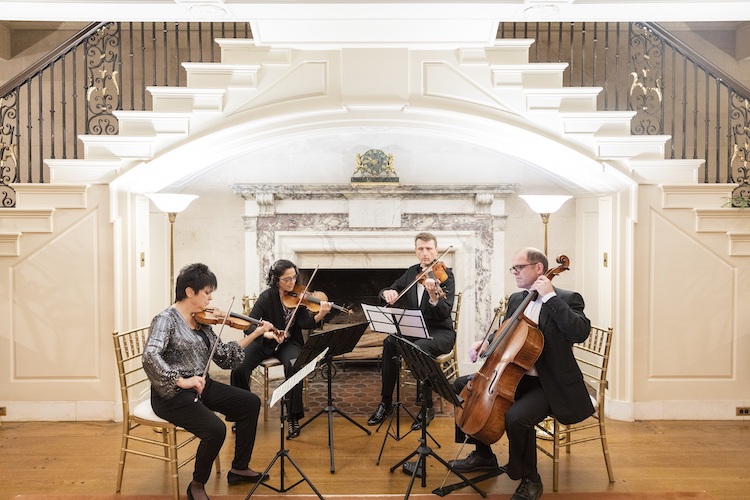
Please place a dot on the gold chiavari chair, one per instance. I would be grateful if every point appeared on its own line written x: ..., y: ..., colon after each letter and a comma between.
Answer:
x: 138, y: 418
x: 593, y: 358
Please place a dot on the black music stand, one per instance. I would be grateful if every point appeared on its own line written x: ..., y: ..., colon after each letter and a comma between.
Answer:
x: 396, y: 323
x: 279, y: 394
x: 428, y: 371
x: 339, y: 341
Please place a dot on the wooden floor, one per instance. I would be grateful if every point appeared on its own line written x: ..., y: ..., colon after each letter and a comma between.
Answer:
x: 81, y: 458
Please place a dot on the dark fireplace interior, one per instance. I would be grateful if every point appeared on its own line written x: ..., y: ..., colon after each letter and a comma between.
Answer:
x: 350, y: 288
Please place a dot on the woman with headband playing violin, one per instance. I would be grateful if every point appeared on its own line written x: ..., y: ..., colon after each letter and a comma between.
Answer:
x: 434, y: 298
x: 175, y: 357
x: 273, y: 306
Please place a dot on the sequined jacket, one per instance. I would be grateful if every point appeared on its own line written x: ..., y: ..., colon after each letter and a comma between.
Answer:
x: 175, y: 350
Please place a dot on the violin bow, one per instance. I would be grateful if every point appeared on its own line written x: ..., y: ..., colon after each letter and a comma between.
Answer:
x: 213, y: 348
x: 299, y: 302
x: 422, y: 274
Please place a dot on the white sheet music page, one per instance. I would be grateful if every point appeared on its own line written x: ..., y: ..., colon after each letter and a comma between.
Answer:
x: 386, y: 319
x: 281, y: 390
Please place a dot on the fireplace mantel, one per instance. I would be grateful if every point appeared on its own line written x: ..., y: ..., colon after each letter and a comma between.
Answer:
x: 351, y: 226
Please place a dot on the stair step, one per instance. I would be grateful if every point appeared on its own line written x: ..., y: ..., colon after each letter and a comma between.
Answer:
x: 573, y: 99
x: 504, y: 51
x: 26, y: 220
x: 212, y: 75
x: 597, y: 122
x: 10, y: 244
x: 110, y: 147
x: 528, y: 75
x: 186, y: 100
x: 83, y: 171
x: 739, y: 244
x: 696, y: 195
x: 722, y: 220
x: 246, y: 51
x: 661, y: 171
x: 638, y: 147
x: 50, y: 195
x: 148, y: 123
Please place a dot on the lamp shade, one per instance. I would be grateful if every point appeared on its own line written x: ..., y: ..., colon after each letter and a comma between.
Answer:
x: 545, y: 203
x: 171, y: 203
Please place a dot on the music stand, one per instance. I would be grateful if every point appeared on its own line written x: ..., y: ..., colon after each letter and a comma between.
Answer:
x: 279, y: 394
x: 338, y: 341
x: 396, y: 323
x: 428, y: 371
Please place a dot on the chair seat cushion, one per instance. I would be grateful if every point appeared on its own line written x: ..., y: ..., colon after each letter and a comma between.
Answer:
x: 144, y: 411
x: 268, y: 362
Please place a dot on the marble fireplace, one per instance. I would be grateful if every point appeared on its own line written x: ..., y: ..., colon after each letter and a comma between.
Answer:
x: 364, y: 235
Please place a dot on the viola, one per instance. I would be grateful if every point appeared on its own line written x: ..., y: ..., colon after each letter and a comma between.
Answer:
x: 491, y: 391
x: 311, y: 300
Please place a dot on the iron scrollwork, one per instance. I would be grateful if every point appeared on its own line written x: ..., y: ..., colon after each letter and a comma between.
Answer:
x: 8, y: 159
x: 739, y: 171
x: 645, y: 96
x: 102, y: 85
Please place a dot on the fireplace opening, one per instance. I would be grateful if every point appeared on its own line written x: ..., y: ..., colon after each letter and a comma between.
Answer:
x: 350, y: 288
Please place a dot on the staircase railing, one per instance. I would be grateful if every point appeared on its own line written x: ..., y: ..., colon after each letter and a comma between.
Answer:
x: 108, y: 66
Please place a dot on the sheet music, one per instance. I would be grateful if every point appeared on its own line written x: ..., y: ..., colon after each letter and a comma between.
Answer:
x: 281, y: 390
x: 386, y: 319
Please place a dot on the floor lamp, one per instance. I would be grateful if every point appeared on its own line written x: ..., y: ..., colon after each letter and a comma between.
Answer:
x: 171, y: 204
x: 545, y: 205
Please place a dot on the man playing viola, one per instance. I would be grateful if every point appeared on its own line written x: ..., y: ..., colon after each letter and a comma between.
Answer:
x: 435, y: 300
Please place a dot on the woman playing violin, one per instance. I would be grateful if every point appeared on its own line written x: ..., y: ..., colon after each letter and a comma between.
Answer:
x: 175, y: 356
x: 270, y: 306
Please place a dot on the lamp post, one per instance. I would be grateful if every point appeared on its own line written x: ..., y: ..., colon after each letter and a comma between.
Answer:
x: 545, y: 205
x: 171, y: 204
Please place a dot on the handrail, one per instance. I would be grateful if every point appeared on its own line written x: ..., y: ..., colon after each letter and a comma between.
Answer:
x: 51, y: 57
x: 706, y: 65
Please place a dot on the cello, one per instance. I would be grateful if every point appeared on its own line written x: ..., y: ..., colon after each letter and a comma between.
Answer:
x: 491, y: 391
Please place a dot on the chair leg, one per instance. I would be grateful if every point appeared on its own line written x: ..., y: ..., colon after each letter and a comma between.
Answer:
x: 605, y: 450
x: 123, y: 454
x: 555, y: 454
x: 172, y: 451
x: 265, y: 394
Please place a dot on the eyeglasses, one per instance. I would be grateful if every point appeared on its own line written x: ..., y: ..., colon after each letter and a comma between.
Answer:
x: 517, y: 269
x: 288, y: 279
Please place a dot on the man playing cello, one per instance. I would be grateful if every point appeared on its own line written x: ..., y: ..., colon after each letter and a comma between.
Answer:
x: 553, y: 386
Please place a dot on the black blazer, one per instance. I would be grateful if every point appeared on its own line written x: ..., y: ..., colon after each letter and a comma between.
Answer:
x: 562, y: 323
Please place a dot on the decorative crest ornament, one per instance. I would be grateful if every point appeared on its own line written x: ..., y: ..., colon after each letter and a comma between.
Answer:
x: 374, y: 166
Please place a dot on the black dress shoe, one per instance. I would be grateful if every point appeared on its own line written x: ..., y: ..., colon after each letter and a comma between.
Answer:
x: 528, y: 490
x: 233, y: 478
x: 417, y: 425
x: 408, y: 469
x: 474, y: 462
x: 294, y: 429
x: 190, y: 494
x: 379, y: 415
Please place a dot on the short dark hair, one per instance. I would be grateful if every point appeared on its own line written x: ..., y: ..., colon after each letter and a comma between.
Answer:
x: 196, y: 276
x: 425, y: 236
x: 277, y: 269
x: 534, y: 256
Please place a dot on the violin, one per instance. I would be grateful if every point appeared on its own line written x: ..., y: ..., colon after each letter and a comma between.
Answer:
x: 435, y: 271
x: 235, y: 320
x: 311, y: 300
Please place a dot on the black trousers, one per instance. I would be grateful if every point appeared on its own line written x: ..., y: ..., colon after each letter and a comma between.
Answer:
x: 530, y: 408
x: 255, y: 354
x: 199, y: 419
x: 391, y: 362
